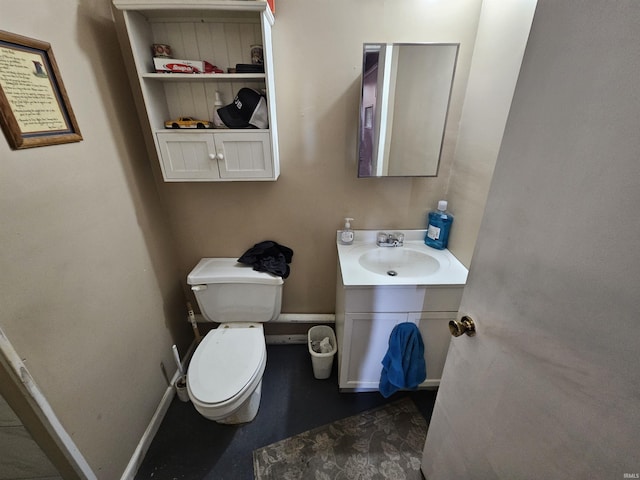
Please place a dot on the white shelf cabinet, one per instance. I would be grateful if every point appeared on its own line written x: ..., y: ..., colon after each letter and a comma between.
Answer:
x: 222, y: 33
x: 365, y: 317
x: 215, y: 156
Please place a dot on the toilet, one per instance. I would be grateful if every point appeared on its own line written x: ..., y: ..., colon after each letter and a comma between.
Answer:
x: 224, y: 378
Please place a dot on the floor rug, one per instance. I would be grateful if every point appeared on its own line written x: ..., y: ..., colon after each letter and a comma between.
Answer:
x: 382, y: 443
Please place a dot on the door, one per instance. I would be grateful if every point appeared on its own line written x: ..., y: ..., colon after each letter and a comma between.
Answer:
x: 549, y: 388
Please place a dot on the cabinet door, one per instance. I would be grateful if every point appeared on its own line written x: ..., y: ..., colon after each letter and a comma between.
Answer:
x: 366, y: 341
x: 434, y: 328
x: 188, y: 156
x: 244, y: 155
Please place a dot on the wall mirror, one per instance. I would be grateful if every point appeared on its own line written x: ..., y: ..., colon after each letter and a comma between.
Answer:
x: 404, y: 103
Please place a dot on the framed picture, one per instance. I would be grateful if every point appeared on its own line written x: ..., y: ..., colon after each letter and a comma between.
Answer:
x: 34, y: 106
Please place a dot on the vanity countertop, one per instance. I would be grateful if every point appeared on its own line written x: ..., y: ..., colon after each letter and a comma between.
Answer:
x: 363, y: 263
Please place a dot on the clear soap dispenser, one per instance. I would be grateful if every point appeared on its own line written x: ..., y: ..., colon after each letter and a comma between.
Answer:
x: 346, y: 235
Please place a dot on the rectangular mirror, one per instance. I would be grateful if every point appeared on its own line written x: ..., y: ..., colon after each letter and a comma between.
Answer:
x: 404, y: 103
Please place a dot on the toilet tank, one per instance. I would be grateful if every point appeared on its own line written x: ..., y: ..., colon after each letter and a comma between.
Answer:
x: 228, y: 291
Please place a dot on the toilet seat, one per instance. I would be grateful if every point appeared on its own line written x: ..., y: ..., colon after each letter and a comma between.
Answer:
x: 226, y: 368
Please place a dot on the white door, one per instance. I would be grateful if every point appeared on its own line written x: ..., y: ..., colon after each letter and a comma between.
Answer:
x: 549, y: 388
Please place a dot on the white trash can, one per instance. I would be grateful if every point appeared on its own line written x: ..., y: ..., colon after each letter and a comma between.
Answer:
x: 322, y: 347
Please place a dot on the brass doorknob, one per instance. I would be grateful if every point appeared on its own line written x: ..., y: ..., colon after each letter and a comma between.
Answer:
x: 464, y: 325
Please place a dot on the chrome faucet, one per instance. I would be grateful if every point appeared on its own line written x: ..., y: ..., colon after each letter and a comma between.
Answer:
x: 395, y: 239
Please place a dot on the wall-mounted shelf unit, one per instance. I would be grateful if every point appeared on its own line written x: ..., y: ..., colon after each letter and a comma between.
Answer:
x: 222, y: 33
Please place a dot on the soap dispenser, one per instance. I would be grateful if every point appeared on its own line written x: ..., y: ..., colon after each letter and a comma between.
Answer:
x: 438, y: 227
x: 346, y: 235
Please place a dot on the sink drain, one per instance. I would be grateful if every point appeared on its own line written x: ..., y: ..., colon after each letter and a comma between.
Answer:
x: 392, y: 273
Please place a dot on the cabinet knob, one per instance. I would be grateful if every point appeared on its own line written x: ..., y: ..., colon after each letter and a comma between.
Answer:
x: 220, y: 156
x: 212, y: 156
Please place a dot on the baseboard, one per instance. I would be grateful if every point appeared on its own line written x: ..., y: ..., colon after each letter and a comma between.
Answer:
x: 305, y: 318
x: 156, y: 420
x: 285, y: 339
x: 291, y: 318
x: 149, y: 433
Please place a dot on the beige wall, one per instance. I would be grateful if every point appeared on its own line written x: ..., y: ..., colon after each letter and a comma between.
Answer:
x: 318, y: 62
x: 89, y: 290
x: 93, y: 288
x: 500, y: 43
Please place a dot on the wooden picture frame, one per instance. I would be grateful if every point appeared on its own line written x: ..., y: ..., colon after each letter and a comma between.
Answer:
x: 34, y: 107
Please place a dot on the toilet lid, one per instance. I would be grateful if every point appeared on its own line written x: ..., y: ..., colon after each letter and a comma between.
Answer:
x: 224, y: 362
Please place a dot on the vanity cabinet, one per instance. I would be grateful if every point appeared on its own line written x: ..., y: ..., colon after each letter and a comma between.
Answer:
x: 221, y: 32
x: 365, y: 317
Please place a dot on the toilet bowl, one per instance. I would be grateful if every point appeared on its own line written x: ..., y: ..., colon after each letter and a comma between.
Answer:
x: 225, y: 373
x: 224, y: 378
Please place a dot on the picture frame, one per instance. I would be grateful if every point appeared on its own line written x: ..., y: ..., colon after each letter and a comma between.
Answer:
x: 34, y: 106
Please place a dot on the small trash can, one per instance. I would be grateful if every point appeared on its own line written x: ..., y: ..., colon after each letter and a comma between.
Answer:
x: 322, y: 347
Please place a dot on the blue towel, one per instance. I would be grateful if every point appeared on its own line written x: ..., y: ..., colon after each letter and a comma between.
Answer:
x: 403, y: 366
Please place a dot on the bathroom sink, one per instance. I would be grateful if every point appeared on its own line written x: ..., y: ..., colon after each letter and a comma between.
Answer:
x: 399, y: 261
x: 364, y: 263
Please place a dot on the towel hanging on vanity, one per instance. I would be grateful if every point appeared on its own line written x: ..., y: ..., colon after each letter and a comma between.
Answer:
x: 403, y: 366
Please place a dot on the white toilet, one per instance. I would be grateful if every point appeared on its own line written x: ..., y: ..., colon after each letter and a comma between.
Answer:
x: 224, y: 378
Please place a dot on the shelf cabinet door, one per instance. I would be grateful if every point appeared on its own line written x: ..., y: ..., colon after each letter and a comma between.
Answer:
x: 244, y: 155
x: 207, y: 156
x: 188, y: 156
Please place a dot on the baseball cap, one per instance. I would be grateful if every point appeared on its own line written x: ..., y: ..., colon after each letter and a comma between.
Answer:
x: 248, y: 109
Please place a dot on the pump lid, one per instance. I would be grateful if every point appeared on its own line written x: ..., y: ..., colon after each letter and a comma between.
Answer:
x: 347, y: 222
x: 442, y: 205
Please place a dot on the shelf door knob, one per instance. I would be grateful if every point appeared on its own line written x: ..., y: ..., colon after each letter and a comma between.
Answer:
x: 220, y: 156
x: 464, y: 325
x: 212, y: 156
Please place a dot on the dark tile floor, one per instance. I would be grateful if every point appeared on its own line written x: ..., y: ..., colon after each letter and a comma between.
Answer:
x: 188, y: 446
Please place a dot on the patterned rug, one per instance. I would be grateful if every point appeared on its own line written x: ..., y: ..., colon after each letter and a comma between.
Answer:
x: 383, y: 443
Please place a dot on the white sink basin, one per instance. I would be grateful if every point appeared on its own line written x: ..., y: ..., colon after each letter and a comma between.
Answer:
x: 399, y: 262
x: 364, y: 263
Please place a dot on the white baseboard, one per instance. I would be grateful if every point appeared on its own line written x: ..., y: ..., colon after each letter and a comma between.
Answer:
x: 149, y: 433
x: 285, y: 339
x: 305, y: 318
x: 156, y: 420
x: 291, y: 318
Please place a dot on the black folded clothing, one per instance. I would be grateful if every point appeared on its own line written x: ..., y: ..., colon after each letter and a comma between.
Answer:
x: 249, y: 68
x: 268, y: 256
